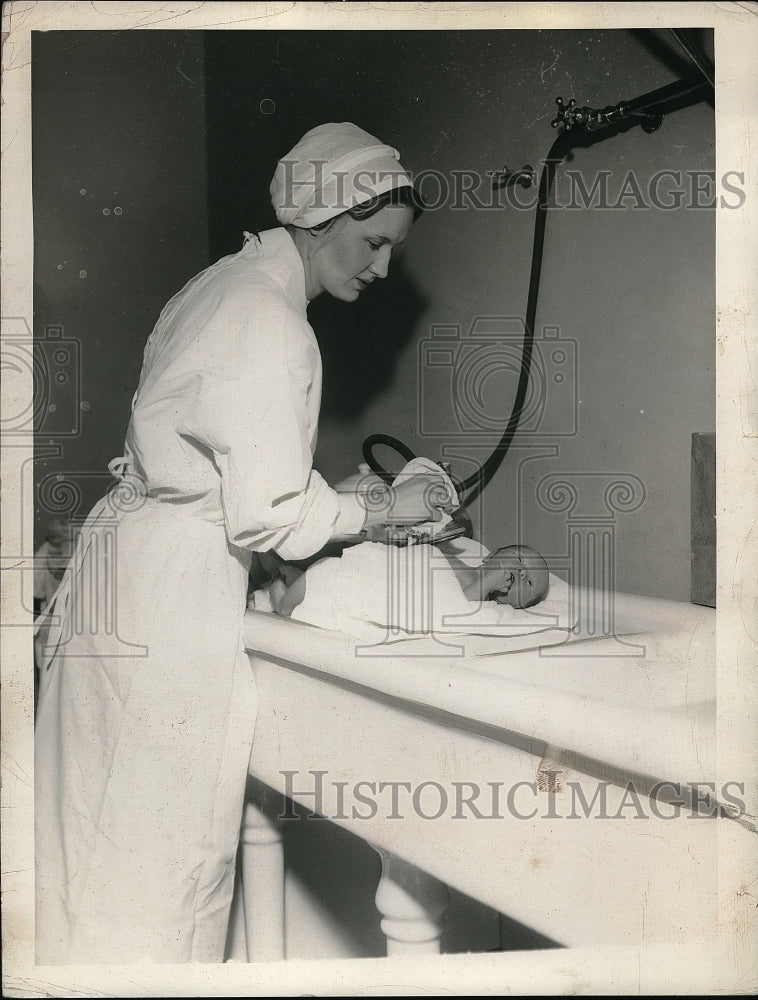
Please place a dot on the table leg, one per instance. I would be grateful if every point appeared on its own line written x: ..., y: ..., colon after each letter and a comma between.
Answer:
x: 262, y: 884
x: 412, y: 904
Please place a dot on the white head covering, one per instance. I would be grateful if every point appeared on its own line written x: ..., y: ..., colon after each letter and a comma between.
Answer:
x: 333, y: 168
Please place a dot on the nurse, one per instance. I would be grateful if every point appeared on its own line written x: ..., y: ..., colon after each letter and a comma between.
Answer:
x: 147, y: 702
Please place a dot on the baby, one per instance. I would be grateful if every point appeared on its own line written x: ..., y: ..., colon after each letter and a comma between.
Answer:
x: 50, y: 561
x: 516, y: 575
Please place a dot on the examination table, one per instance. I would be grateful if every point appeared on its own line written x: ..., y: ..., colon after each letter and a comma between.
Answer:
x: 568, y: 779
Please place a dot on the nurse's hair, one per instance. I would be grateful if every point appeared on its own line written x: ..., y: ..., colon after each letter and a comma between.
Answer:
x: 404, y: 195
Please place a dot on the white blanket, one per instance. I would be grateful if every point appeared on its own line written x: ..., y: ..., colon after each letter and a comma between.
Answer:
x: 386, y: 593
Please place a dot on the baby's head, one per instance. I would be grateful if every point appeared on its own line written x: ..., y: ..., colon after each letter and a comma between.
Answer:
x: 525, y: 573
x: 57, y: 533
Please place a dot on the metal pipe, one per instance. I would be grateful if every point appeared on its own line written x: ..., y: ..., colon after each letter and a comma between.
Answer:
x: 671, y: 92
x: 650, y: 107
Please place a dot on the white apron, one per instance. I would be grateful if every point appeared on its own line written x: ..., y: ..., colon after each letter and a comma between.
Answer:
x: 147, y: 703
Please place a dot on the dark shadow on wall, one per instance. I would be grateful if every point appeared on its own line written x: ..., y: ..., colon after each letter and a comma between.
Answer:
x: 259, y: 101
x: 265, y: 89
x: 361, y: 341
x: 119, y: 196
x: 663, y: 45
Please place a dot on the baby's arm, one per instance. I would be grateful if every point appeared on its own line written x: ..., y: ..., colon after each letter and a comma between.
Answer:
x: 477, y: 584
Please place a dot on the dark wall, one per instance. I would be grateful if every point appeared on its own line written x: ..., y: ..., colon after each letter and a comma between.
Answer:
x: 265, y: 90
x: 120, y: 224
x: 632, y: 288
x: 181, y: 132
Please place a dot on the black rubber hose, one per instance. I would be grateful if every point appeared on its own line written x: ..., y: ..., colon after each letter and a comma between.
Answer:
x: 476, y: 482
x: 391, y: 442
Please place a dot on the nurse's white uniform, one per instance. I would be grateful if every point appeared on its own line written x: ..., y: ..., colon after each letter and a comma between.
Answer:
x: 141, y: 759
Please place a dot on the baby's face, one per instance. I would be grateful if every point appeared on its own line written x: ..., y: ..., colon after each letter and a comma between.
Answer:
x: 58, y: 535
x: 524, y: 576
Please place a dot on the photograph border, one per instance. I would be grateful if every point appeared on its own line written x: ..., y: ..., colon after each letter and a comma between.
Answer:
x: 732, y: 966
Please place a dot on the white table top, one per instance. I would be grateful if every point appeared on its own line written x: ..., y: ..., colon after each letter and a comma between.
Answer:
x: 652, y: 714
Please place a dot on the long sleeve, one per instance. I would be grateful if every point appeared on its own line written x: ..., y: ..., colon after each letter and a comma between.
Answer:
x: 256, y: 408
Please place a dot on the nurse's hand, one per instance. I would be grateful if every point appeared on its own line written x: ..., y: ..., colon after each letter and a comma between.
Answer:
x: 288, y: 590
x: 412, y: 501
